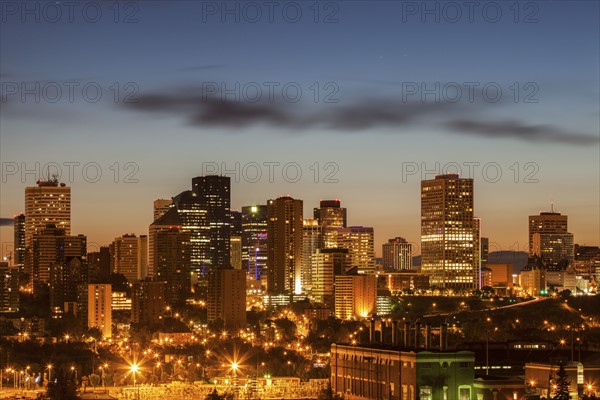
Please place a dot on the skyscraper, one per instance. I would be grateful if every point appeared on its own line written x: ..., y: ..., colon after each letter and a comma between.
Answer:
x: 192, y: 217
x: 214, y: 196
x: 99, y: 265
x: 66, y: 274
x: 355, y: 295
x: 47, y: 203
x: 549, y: 238
x: 326, y: 264
x: 172, y: 263
x: 160, y: 207
x: 235, y: 240
x: 19, y: 241
x: 311, y: 242
x: 148, y: 302
x: 129, y: 256
x: 96, y: 307
x: 448, y: 232
x: 9, y: 288
x: 331, y: 216
x: 397, y: 255
x: 284, y: 245
x: 254, y: 241
x: 226, y: 299
x: 360, y: 242
x: 51, y: 248
x: 546, y: 223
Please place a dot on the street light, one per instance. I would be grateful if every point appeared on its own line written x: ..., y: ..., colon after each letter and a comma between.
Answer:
x: 134, y: 369
x: 49, y: 366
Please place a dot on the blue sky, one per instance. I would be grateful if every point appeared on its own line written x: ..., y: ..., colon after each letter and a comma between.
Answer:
x: 368, y: 57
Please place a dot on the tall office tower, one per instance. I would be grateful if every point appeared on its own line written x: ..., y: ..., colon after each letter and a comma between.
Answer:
x: 554, y: 248
x: 168, y: 220
x: 235, y: 252
x: 192, y: 217
x: 148, y: 302
x: 254, y: 241
x: 95, y: 307
x: 477, y: 251
x: 99, y: 265
x: 326, y: 264
x: 331, y: 217
x: 47, y: 203
x: 360, y: 242
x: 448, y: 232
x: 284, y: 245
x: 484, y: 245
x: 214, y: 195
x: 161, y: 206
x: 546, y: 223
x: 129, y: 256
x: 397, y: 255
x: 355, y: 295
x: 172, y: 263
x: 311, y: 242
x: 52, y: 247
x: 226, y: 299
x: 9, y: 288
x: 19, y: 241
x: 235, y: 240
x: 549, y: 238
x: 65, y: 276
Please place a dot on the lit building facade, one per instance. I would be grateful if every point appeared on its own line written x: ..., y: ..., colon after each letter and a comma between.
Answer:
x: 9, y: 288
x: 355, y: 295
x: 449, y: 233
x: 326, y: 264
x: 99, y: 308
x: 284, y: 245
x: 19, y: 242
x: 330, y: 216
x: 47, y: 203
x: 360, y: 243
x: 129, y: 256
x: 397, y: 255
x: 311, y: 242
x: 227, y: 297
x: 254, y: 241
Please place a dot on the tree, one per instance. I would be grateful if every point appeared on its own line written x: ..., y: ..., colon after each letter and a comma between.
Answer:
x: 561, y: 384
x: 214, y: 395
x: 63, y: 387
x: 95, y: 380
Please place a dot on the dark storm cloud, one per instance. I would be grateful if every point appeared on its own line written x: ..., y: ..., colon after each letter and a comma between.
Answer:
x: 517, y: 130
x: 213, y: 111
x: 6, y: 221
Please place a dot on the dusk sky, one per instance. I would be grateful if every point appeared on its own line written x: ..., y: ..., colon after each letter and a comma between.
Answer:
x: 373, y: 58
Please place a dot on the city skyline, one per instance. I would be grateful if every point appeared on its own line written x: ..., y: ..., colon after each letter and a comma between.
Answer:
x: 380, y: 239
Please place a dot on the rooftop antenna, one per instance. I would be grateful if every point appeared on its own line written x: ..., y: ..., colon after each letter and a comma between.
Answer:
x: 552, y: 206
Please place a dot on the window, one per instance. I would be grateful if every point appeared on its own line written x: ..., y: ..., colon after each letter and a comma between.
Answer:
x: 425, y: 393
x: 464, y: 393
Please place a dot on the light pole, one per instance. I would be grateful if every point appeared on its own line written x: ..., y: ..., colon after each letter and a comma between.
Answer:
x: 487, y: 349
x: 134, y: 369
x: 49, y: 366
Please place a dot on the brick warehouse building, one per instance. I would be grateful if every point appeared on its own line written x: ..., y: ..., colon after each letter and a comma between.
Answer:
x: 386, y: 372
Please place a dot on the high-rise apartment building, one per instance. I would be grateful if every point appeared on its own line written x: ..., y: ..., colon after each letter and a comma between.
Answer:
x: 51, y: 248
x: 160, y: 208
x: 397, y: 255
x: 148, y: 302
x: 546, y: 223
x: 129, y: 256
x: 284, y: 245
x: 99, y: 265
x: 9, y: 288
x: 326, y: 264
x: 449, y: 233
x: 355, y: 295
x: 214, y: 196
x: 254, y: 241
x: 65, y: 277
x: 47, y: 203
x: 549, y: 238
x: 331, y: 216
x: 311, y: 242
x: 19, y: 242
x: 98, y: 307
x: 172, y: 263
x: 360, y: 243
x: 226, y: 299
